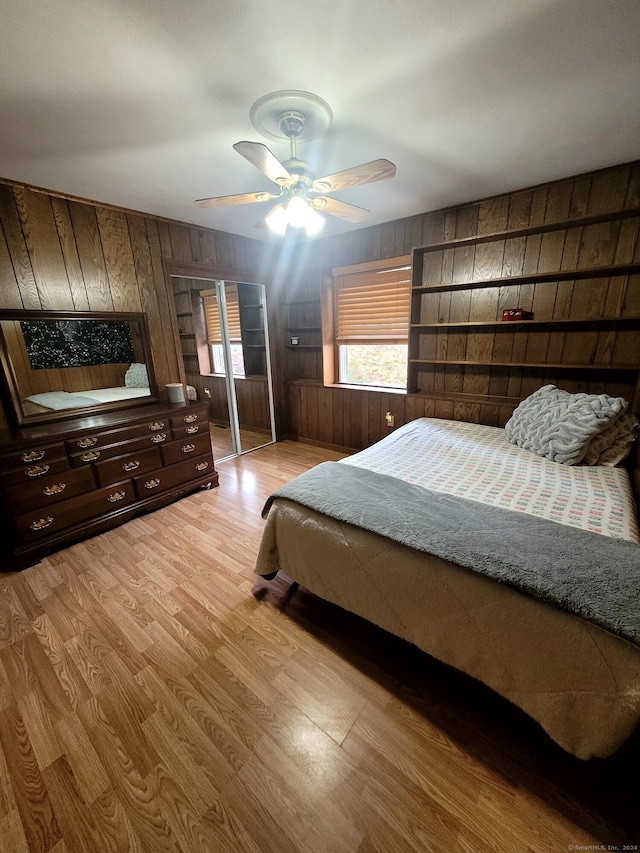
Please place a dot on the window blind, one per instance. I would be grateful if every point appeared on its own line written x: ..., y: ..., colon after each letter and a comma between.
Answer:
x: 372, y: 307
x: 212, y: 315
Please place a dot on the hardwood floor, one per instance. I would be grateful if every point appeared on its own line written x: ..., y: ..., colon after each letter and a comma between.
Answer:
x: 155, y: 697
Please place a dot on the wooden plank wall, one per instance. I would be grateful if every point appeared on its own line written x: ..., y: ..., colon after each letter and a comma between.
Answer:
x: 356, y: 418
x: 252, y: 399
x: 62, y: 254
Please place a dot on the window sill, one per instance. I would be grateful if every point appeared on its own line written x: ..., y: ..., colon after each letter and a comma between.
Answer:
x: 379, y: 388
x: 250, y: 378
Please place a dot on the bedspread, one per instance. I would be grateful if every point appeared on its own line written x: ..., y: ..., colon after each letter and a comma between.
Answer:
x: 578, y: 680
x: 581, y: 683
x: 592, y: 575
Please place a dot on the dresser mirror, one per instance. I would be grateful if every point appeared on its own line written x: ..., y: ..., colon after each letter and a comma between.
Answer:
x: 58, y: 364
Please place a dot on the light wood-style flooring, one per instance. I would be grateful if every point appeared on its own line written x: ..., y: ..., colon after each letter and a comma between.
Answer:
x: 223, y: 446
x: 155, y: 696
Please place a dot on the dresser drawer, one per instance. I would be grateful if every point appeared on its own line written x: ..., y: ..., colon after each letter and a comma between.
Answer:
x: 49, y: 490
x: 97, y: 440
x: 91, y: 441
x: 134, y: 445
x: 190, y: 416
x: 43, y: 522
x: 127, y: 465
x: 176, y: 451
x: 33, y: 456
x: 173, y: 475
x: 190, y: 431
x: 34, y: 471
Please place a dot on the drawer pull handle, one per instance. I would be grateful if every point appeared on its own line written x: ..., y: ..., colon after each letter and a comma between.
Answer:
x: 91, y: 456
x: 192, y: 430
x: 37, y: 470
x: 152, y: 484
x: 87, y: 442
x: 54, y: 489
x: 40, y: 525
x: 189, y: 419
x: 202, y: 466
x: 159, y: 438
x: 32, y: 456
x: 131, y: 466
x: 155, y: 427
x: 116, y: 496
x: 188, y: 448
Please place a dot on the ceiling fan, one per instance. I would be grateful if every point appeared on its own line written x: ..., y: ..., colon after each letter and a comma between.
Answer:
x: 301, y: 198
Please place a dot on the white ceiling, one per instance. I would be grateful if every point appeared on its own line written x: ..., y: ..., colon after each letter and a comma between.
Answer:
x: 138, y: 102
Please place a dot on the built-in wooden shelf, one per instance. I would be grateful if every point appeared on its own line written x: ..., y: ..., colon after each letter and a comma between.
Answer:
x: 505, y: 324
x: 303, y: 328
x: 530, y: 278
x: 542, y: 364
x: 304, y: 346
x: 467, y: 273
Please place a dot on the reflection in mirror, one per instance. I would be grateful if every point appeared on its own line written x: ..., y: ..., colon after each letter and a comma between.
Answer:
x: 234, y: 375
x: 59, y: 364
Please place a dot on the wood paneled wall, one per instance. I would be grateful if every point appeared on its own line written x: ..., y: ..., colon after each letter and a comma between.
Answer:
x: 58, y: 253
x: 355, y: 418
x: 61, y: 254
x: 252, y: 398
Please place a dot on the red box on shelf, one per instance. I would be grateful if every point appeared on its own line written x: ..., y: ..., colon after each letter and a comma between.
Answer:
x: 516, y: 314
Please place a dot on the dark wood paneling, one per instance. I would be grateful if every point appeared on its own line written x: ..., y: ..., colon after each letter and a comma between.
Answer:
x: 354, y: 418
x: 64, y: 254
x: 117, y: 263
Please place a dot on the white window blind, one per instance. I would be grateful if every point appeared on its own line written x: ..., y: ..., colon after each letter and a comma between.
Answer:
x: 372, y: 306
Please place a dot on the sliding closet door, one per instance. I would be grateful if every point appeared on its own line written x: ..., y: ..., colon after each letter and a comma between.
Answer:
x: 231, y: 339
x: 253, y: 391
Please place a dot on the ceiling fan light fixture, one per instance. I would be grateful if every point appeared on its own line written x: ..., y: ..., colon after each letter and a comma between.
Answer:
x: 296, y: 213
x: 277, y: 220
x: 296, y: 115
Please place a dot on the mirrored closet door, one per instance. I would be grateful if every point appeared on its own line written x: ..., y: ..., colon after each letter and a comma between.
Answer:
x: 225, y: 341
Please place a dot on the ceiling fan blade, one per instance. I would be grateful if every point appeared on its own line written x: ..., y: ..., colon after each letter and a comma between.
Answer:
x: 228, y: 200
x: 260, y: 157
x: 339, y: 208
x: 367, y: 173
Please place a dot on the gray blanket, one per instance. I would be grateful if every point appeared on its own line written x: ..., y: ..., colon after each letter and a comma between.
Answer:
x: 589, y: 574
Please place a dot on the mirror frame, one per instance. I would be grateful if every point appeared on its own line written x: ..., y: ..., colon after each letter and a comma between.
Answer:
x: 11, y: 396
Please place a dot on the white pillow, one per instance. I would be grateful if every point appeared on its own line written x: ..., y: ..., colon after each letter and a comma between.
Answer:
x: 613, y: 445
x: 559, y: 425
x: 136, y: 376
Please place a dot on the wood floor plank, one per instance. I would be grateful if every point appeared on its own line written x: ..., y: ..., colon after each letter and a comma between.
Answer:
x: 91, y: 778
x: 39, y: 821
x: 155, y: 695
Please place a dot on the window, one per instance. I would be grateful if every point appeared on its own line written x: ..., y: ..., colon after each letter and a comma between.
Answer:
x: 371, y: 313
x: 214, y: 330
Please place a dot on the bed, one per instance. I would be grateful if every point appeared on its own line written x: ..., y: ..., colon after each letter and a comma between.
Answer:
x: 560, y: 644
x: 60, y: 400
x: 136, y: 384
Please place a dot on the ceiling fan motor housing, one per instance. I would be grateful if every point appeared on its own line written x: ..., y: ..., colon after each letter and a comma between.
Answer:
x: 299, y: 170
x: 291, y: 123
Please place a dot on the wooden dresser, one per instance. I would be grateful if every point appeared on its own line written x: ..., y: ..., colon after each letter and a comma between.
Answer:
x: 65, y: 481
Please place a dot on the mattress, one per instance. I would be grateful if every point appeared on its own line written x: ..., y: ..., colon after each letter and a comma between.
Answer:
x: 580, y: 682
x: 60, y: 400
x: 476, y: 462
